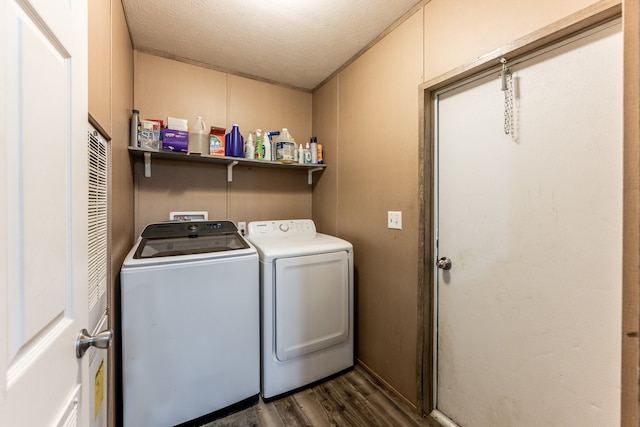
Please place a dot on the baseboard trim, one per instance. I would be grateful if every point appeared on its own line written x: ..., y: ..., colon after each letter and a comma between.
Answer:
x: 388, y: 387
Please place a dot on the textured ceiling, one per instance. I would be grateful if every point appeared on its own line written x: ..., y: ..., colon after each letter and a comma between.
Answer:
x: 297, y: 43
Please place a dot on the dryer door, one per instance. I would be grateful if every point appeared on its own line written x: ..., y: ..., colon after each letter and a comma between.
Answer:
x: 311, y: 303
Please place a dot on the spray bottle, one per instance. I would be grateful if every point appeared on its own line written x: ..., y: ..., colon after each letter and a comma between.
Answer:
x: 267, y: 146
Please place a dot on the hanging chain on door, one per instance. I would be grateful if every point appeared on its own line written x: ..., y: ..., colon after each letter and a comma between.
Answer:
x: 507, y: 88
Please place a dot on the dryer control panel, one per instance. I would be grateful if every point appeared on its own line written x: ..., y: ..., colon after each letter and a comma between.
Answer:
x: 282, y: 228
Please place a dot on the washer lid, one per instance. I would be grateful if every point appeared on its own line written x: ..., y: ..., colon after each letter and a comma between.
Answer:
x: 188, y: 238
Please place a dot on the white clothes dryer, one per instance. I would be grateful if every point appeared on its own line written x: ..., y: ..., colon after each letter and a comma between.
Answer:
x: 190, y: 323
x: 306, y: 282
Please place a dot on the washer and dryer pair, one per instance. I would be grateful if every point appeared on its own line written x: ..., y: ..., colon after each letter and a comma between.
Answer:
x: 203, y: 310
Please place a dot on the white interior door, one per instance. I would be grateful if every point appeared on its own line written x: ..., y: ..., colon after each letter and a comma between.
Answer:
x: 43, y: 212
x: 529, y: 315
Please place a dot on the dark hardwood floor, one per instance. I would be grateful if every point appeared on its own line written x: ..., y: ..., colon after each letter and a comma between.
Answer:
x: 352, y: 399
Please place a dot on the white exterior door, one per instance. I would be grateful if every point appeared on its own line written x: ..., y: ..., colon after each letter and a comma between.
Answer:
x: 43, y: 214
x: 529, y: 315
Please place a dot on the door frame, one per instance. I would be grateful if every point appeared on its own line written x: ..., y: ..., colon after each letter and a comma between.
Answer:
x: 590, y: 17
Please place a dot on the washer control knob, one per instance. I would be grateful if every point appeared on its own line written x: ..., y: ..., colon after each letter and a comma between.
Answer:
x: 284, y: 227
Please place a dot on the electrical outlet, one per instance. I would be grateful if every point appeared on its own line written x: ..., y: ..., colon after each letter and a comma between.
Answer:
x: 242, y: 228
x: 394, y: 220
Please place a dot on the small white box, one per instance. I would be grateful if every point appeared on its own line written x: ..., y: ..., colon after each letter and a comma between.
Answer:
x: 178, y: 124
x: 189, y: 216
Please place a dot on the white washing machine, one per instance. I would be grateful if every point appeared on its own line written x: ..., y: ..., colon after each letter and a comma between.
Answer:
x: 190, y: 323
x: 306, y: 282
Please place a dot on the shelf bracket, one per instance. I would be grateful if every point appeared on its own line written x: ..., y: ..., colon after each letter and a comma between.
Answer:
x: 147, y: 165
x: 310, y: 176
x: 230, y: 170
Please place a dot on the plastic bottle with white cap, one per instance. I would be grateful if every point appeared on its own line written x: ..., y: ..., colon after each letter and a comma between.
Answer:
x: 249, y: 148
x: 285, y: 147
x: 198, y: 137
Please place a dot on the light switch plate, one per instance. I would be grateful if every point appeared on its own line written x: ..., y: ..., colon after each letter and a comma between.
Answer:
x: 394, y: 220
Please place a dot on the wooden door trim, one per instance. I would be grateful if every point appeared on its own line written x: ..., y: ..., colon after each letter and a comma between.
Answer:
x: 630, y: 397
x: 583, y: 20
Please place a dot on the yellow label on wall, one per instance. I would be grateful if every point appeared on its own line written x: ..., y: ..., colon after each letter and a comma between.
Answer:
x: 99, y: 390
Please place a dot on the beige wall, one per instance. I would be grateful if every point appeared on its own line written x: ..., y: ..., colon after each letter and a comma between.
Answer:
x: 459, y: 32
x: 325, y: 128
x: 100, y: 62
x: 367, y: 116
x: 187, y: 91
x: 121, y: 101
x: 121, y: 178
x: 110, y: 99
x: 377, y: 168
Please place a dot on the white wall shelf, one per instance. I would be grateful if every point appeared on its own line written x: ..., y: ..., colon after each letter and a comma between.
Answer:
x: 230, y: 162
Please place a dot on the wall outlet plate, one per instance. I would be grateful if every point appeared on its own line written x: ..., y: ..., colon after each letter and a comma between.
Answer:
x: 394, y: 220
x: 242, y: 228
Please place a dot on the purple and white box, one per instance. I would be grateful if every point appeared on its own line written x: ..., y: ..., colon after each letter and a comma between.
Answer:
x: 175, y: 140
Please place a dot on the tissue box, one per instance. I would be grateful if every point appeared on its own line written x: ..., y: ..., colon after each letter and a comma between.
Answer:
x: 175, y: 140
x: 177, y: 124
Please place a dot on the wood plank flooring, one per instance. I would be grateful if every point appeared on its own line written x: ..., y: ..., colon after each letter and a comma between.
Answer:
x: 354, y: 399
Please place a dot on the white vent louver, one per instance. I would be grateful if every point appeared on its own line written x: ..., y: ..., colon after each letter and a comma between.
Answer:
x: 97, y: 218
x: 72, y: 418
x: 69, y: 416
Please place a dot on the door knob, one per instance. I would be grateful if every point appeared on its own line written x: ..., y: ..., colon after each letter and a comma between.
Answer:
x: 444, y: 263
x: 100, y: 340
